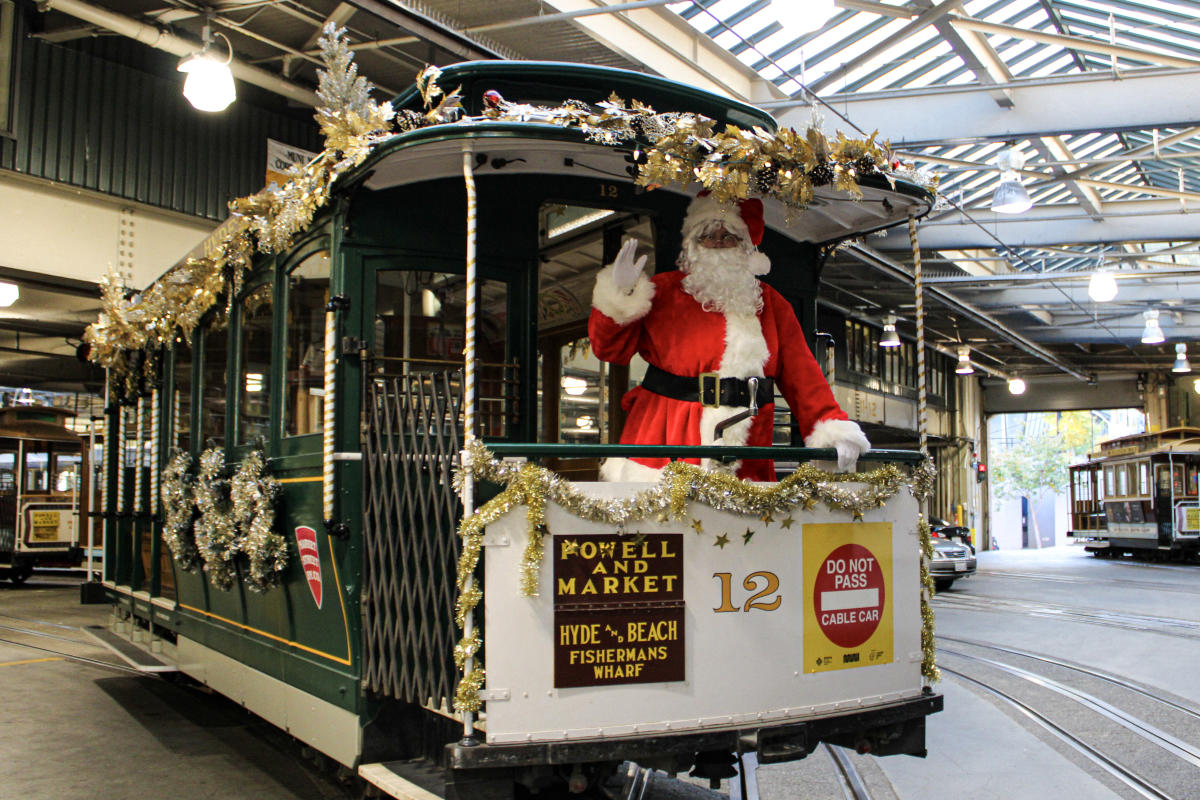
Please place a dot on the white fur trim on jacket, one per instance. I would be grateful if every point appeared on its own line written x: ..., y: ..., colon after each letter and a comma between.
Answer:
x: 619, y: 306
x: 842, y: 434
x: 622, y: 470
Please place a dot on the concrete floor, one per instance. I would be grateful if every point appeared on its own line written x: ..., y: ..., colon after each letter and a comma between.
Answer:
x: 94, y: 731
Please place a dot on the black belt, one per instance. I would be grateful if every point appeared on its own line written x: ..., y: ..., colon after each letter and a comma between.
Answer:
x: 708, y: 389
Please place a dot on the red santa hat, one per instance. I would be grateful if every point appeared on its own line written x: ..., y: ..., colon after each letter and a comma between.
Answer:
x: 744, y: 218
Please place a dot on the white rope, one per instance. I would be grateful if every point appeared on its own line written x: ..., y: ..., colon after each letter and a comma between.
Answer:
x: 468, y: 493
x: 328, y: 402
x: 138, y: 450
x: 119, y: 443
x: 154, y: 412
x: 922, y: 408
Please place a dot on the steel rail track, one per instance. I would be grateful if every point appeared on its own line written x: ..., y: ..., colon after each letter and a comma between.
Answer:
x: 72, y: 657
x: 1094, y: 673
x: 1164, y: 626
x: 1138, y: 783
x: 1150, y: 733
x: 852, y: 782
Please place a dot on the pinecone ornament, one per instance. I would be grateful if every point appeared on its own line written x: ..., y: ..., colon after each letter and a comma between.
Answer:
x: 821, y: 175
x: 765, y: 177
x: 407, y: 120
x: 865, y: 165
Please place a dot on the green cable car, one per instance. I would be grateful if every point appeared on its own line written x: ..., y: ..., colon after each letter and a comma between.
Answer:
x: 319, y: 584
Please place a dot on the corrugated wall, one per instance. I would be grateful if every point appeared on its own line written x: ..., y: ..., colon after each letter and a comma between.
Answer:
x: 85, y: 120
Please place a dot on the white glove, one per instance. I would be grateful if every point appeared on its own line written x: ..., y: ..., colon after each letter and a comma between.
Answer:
x: 842, y: 435
x: 626, y: 271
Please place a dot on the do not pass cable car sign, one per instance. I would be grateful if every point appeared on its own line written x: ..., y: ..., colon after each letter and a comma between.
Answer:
x: 848, y: 578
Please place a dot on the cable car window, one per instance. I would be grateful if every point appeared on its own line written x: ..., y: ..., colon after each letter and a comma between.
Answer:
x: 1143, y: 475
x: 67, y: 473
x: 181, y: 412
x: 1122, y: 475
x: 254, y: 417
x: 1163, y: 478
x: 214, y: 380
x: 37, y: 471
x: 584, y: 404
x: 304, y: 381
x: 1110, y: 487
x: 8, y: 481
x: 420, y: 328
x: 1193, y: 472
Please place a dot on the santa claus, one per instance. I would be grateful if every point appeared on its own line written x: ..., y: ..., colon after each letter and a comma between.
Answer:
x: 718, y: 342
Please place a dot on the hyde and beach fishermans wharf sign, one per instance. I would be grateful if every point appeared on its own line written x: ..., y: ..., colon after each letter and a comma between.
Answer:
x: 618, y: 609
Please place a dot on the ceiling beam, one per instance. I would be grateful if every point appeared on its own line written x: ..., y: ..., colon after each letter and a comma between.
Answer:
x: 1124, y: 221
x: 926, y: 18
x: 1073, y: 42
x: 1144, y: 291
x: 340, y: 15
x: 400, y: 14
x: 883, y: 9
x: 990, y: 70
x: 1053, y: 148
x: 1081, y: 104
x: 668, y: 45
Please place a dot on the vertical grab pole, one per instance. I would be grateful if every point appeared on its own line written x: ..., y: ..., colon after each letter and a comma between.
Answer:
x: 137, y: 464
x: 922, y: 409
x: 468, y: 494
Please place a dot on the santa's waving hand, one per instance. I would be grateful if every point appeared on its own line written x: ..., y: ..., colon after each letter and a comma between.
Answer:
x: 717, y: 342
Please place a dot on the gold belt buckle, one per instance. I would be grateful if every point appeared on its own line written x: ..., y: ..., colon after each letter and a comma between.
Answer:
x: 710, y: 389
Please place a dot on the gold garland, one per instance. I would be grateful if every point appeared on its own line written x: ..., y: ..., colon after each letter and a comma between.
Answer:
x: 929, y: 668
x: 669, y: 149
x: 533, y: 486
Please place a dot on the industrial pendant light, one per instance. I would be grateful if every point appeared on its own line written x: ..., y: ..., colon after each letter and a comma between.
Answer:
x: 890, y: 338
x: 964, y: 361
x: 1181, y: 362
x: 9, y: 293
x: 1103, y: 286
x: 1016, y: 385
x: 209, y: 84
x: 1010, y: 196
x: 1152, y: 333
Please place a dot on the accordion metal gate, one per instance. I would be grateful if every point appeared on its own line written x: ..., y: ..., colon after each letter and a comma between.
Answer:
x: 413, y: 434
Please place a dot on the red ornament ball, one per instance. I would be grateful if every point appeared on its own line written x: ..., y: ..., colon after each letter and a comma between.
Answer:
x: 492, y: 98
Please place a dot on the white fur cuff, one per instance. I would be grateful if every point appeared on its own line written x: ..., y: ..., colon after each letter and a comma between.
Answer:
x: 843, y: 435
x: 619, y: 306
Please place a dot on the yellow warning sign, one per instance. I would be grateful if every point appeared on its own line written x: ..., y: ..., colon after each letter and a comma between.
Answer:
x: 1191, y: 519
x: 848, y: 586
x: 45, y: 518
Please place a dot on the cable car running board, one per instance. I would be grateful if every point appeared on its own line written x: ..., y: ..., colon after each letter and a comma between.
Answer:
x: 127, y: 651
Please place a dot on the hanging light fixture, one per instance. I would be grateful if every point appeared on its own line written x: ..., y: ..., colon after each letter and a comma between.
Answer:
x: 1181, y: 362
x: 964, y: 361
x: 1010, y: 196
x: 802, y: 16
x: 9, y: 294
x: 1152, y: 333
x: 1016, y: 385
x: 209, y: 84
x: 573, y: 386
x: 1103, y: 286
x: 890, y: 338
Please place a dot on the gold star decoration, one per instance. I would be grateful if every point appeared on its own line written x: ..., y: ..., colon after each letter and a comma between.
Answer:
x: 697, y: 526
x: 767, y: 519
x: 787, y: 522
x: 809, y: 503
x: 569, y: 548
x: 639, y: 537
x: 721, y: 541
x: 747, y: 536
x: 858, y: 515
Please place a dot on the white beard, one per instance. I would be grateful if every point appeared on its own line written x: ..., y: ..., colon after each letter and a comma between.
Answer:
x: 722, y: 279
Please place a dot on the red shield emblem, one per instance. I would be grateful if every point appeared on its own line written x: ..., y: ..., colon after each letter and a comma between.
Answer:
x: 310, y: 560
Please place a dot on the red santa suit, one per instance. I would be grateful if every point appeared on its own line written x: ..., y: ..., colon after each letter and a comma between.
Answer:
x: 661, y: 321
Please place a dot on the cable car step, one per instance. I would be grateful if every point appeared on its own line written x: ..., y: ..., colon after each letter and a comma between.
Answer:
x: 405, y: 780
x: 132, y: 654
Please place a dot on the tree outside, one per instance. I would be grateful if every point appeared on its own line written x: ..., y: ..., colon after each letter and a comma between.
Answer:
x: 1030, y: 454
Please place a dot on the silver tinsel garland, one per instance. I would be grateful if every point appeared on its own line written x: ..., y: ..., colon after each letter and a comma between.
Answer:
x: 254, y: 494
x: 180, y: 511
x: 216, y: 530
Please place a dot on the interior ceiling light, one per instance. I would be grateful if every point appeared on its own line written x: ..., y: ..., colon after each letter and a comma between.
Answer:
x: 209, y: 83
x: 1010, y: 196
x: 1103, y: 286
x: 1152, y: 333
x: 1181, y: 362
x: 9, y: 293
x: 890, y: 338
x: 802, y: 16
x: 574, y: 386
x: 1016, y: 385
x: 964, y: 361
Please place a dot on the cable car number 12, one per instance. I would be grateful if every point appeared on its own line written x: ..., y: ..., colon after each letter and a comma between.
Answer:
x: 758, y: 600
